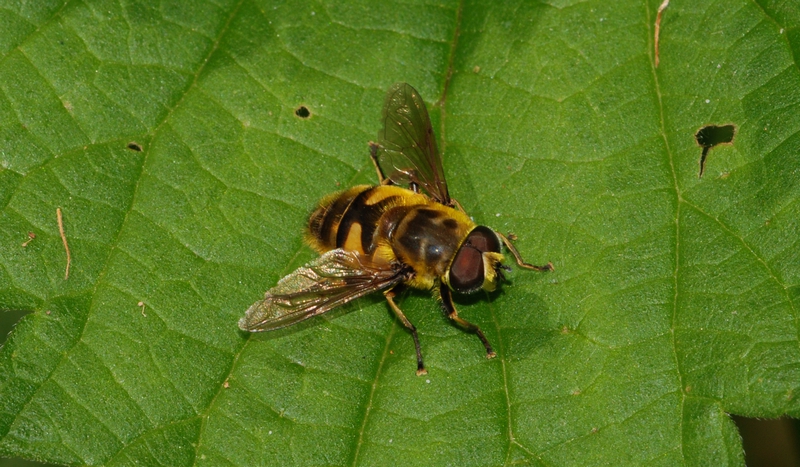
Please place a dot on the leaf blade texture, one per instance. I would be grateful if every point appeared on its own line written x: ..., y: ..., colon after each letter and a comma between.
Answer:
x: 674, y: 299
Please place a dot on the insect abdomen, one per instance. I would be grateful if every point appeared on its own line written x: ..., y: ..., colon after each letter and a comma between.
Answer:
x: 349, y: 219
x: 323, y: 223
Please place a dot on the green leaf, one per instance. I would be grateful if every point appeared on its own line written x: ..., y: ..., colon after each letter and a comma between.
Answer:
x: 166, y: 133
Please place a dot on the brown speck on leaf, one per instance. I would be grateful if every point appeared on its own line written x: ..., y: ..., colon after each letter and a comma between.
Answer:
x: 31, y: 236
x: 476, y: 69
x: 688, y: 389
x: 226, y: 385
x: 48, y: 312
x: 565, y: 330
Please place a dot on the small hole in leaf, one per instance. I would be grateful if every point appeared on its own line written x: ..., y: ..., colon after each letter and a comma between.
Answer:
x: 302, y: 112
x: 134, y: 146
x: 710, y: 136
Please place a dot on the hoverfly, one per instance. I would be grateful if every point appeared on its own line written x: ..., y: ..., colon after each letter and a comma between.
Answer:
x: 386, y: 237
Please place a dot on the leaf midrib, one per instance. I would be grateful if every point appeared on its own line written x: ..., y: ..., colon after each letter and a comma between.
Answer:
x: 678, y: 200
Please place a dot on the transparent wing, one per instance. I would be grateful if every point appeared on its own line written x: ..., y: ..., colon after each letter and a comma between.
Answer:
x: 333, y: 279
x: 407, y: 151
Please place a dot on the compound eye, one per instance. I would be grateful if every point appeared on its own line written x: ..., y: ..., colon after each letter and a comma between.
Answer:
x: 484, y: 239
x: 466, y: 271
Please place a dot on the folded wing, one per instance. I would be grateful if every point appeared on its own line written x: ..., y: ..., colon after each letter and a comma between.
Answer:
x: 331, y: 280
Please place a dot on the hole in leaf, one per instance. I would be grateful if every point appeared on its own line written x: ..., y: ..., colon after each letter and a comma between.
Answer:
x: 134, y: 146
x: 302, y: 112
x: 710, y: 136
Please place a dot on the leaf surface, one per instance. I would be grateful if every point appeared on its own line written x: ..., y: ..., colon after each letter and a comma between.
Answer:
x: 167, y: 135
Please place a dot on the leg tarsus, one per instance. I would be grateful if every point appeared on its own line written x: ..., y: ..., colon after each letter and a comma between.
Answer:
x: 518, y: 257
x: 390, y: 294
x: 450, y: 310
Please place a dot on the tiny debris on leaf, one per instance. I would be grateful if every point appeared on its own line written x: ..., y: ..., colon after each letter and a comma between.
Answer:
x: 60, y: 220
x: 661, y: 9
x: 31, y: 236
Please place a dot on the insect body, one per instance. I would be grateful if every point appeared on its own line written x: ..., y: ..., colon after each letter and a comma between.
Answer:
x: 385, y: 237
x: 388, y: 225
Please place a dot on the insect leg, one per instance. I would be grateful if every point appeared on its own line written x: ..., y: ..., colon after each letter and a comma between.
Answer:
x: 373, y: 155
x: 390, y: 294
x: 450, y: 309
x: 518, y: 258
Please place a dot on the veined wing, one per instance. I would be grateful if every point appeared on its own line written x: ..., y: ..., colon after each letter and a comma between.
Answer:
x: 333, y: 279
x: 407, y: 151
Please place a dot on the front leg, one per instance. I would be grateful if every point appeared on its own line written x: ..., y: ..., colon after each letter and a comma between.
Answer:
x: 450, y: 310
x: 520, y: 262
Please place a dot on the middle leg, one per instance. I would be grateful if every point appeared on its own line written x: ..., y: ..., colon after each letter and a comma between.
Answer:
x: 390, y: 294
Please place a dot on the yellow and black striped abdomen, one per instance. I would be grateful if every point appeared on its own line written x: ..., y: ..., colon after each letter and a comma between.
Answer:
x: 323, y: 224
x: 350, y: 219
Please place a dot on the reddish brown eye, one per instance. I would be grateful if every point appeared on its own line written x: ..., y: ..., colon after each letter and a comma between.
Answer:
x: 466, y: 272
x: 484, y: 239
